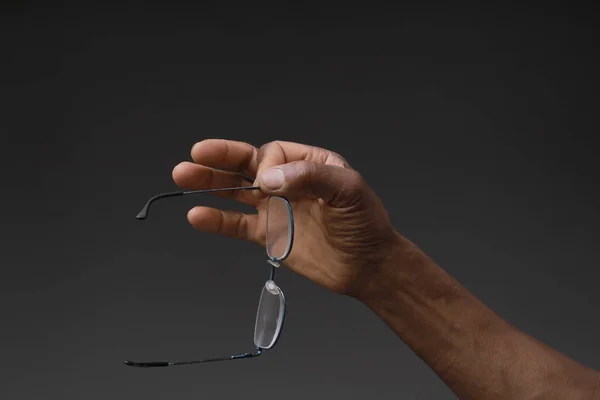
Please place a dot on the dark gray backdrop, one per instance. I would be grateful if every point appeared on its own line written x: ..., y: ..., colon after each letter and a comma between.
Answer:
x: 473, y: 126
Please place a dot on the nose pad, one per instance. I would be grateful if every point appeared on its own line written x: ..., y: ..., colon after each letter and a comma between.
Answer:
x: 272, y: 287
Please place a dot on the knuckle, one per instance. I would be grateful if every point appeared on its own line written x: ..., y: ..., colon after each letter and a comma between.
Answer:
x: 356, y: 180
x: 264, y: 151
x: 241, y: 227
x: 354, y: 186
x: 339, y: 160
x: 240, y: 195
x: 270, y: 155
x: 336, y: 159
x: 233, y: 224
x: 267, y: 148
x: 210, y: 177
x: 305, y: 170
x: 221, y: 222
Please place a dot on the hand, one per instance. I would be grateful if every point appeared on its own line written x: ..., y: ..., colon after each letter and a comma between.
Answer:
x: 343, y: 233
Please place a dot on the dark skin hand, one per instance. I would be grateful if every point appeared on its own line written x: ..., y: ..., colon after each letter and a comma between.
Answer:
x: 346, y: 243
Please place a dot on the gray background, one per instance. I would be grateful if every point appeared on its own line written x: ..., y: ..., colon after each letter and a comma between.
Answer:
x: 473, y: 125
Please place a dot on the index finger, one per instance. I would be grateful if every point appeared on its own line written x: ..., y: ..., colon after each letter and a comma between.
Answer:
x: 280, y: 152
x: 228, y: 155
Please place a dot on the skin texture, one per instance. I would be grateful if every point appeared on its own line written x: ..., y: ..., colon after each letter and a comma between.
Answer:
x: 348, y: 245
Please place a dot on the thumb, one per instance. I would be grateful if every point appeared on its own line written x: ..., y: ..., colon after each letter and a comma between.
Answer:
x: 337, y: 186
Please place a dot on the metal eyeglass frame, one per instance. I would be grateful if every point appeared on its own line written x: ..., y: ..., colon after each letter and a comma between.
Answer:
x: 269, y: 284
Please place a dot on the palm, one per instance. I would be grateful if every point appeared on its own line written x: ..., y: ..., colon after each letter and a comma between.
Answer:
x: 308, y: 227
x: 318, y: 251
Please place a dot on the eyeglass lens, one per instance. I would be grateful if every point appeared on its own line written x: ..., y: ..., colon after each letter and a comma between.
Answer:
x: 278, y: 237
x: 269, y: 316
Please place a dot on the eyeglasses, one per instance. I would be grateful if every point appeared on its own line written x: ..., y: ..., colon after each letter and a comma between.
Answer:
x: 271, y: 305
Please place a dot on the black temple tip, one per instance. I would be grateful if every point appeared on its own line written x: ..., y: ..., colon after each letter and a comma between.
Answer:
x: 143, y: 212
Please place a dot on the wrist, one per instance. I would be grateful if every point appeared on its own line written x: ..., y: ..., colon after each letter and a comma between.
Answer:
x: 459, y: 337
x: 425, y: 306
x: 399, y: 264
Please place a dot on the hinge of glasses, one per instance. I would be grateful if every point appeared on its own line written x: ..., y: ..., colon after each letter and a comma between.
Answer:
x: 274, y: 263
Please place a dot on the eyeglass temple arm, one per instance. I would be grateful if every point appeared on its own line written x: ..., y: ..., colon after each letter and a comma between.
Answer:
x: 144, y: 211
x: 152, y: 364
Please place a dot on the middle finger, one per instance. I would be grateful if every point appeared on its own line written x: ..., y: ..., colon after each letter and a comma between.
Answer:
x: 192, y: 176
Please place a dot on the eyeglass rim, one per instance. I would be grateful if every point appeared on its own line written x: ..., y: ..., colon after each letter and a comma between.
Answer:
x: 290, y: 230
x: 282, y: 313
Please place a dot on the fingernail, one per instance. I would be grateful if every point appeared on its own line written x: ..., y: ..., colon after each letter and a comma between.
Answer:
x: 272, y: 178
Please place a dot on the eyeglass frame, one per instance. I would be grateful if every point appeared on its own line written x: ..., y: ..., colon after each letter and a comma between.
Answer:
x: 272, y: 260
